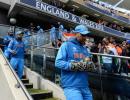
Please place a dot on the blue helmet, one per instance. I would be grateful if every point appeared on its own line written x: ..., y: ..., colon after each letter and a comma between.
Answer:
x: 82, y: 29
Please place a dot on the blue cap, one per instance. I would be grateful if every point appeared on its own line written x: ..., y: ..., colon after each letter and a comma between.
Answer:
x: 81, y: 29
x: 128, y: 41
x: 19, y: 32
x: 38, y: 27
x: 61, y: 26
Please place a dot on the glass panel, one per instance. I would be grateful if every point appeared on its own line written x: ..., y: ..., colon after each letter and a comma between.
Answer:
x: 4, y: 29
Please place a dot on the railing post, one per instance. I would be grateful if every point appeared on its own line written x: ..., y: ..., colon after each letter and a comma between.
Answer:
x: 32, y: 52
x: 100, y: 74
x: 99, y: 63
x: 44, y: 62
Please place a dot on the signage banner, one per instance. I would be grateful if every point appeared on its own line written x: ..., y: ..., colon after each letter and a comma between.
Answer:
x: 61, y: 13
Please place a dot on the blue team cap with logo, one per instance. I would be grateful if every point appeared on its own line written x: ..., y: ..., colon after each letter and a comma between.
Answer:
x: 38, y: 27
x: 82, y: 29
x: 19, y: 32
x: 61, y: 26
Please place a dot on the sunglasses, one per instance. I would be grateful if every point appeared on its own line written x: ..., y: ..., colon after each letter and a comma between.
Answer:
x: 84, y: 35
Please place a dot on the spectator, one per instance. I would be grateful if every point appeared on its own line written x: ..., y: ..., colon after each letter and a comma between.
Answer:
x: 124, y: 63
x: 40, y: 36
x: 53, y: 36
x: 31, y: 27
x: 72, y: 11
x: 107, y: 61
x: 60, y: 35
x: 26, y: 38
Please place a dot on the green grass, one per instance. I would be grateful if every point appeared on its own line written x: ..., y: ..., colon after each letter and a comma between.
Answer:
x: 50, y: 99
x: 37, y: 91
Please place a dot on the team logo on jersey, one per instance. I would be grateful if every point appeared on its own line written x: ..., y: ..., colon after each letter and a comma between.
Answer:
x: 74, y: 49
x: 79, y: 55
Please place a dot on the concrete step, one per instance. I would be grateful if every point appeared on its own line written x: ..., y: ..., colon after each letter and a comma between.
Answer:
x: 28, y: 85
x: 25, y: 81
x: 40, y: 94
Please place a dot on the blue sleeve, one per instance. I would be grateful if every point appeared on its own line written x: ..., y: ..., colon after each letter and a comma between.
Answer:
x: 61, y: 59
x: 6, y: 41
x: 10, y: 46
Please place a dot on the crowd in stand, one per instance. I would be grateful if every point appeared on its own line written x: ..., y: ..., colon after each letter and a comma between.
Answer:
x: 111, y: 47
x: 56, y: 3
x: 112, y: 25
x: 109, y: 8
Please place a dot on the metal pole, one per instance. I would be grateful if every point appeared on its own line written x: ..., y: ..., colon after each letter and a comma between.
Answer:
x: 14, y: 30
x: 100, y: 74
x: 44, y: 62
x: 32, y: 52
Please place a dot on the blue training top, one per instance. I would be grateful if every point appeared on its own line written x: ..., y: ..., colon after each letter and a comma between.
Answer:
x: 18, y: 47
x: 72, y: 50
x: 6, y: 41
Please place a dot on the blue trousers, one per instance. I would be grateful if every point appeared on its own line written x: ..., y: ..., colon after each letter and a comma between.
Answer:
x: 108, y: 67
x: 18, y: 63
x: 7, y: 53
x: 78, y: 94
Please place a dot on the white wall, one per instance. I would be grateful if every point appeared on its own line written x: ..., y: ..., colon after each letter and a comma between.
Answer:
x: 41, y: 83
x: 8, y: 89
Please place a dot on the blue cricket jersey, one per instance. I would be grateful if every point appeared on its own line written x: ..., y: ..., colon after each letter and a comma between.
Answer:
x: 72, y: 50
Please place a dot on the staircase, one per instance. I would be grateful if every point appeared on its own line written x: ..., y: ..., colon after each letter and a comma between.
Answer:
x: 37, y: 94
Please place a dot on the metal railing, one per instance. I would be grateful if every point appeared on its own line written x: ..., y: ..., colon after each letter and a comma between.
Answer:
x: 45, y: 52
x: 19, y: 83
x: 43, y: 58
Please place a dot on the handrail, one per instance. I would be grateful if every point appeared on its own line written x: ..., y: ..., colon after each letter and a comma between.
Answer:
x: 98, y: 54
x: 35, y: 33
x: 19, y: 83
x: 115, y: 56
x: 5, y: 25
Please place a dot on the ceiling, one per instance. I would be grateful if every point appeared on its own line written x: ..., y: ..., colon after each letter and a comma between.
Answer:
x: 125, y: 4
